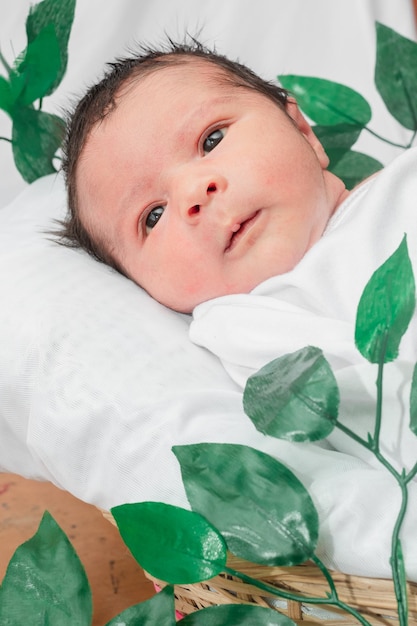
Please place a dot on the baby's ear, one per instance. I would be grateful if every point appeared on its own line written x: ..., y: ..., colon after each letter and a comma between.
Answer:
x: 306, y: 130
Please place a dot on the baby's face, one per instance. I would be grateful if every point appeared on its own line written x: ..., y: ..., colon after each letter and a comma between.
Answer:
x: 201, y: 188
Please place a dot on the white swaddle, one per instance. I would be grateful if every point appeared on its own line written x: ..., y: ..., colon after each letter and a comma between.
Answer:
x: 315, y: 304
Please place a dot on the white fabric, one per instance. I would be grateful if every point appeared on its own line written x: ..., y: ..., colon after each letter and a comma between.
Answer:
x: 333, y: 40
x: 315, y: 304
x: 97, y: 381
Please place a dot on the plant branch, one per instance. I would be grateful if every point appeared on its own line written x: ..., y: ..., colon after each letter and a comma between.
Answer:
x: 379, y: 389
x: 331, y: 600
x: 326, y: 574
x: 287, y: 595
x: 353, y: 435
x: 385, y: 140
x: 412, y: 139
x: 411, y: 474
x: 397, y: 561
x: 373, y: 444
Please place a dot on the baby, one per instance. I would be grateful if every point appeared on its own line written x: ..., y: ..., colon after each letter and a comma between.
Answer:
x: 205, y: 185
x: 194, y: 177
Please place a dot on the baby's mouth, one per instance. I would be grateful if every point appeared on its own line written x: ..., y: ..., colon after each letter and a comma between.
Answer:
x: 238, y: 230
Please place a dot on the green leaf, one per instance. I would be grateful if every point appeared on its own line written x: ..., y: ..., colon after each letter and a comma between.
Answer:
x: 352, y: 167
x: 60, y: 13
x: 395, y: 75
x: 17, y: 84
x: 294, y: 397
x: 6, y: 96
x: 36, y: 137
x: 172, y: 544
x: 244, y: 615
x: 45, y: 582
x: 38, y: 70
x: 262, y: 510
x: 386, y: 307
x: 326, y: 102
x: 338, y: 136
x: 158, y: 611
x: 413, y: 402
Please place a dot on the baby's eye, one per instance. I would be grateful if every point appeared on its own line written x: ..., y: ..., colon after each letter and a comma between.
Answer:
x: 153, y: 217
x: 213, y: 139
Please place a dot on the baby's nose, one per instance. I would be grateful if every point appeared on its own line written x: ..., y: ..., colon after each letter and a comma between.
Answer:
x: 194, y: 186
x: 195, y: 208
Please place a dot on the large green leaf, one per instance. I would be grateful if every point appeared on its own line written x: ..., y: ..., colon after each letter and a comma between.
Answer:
x: 386, y: 307
x: 413, y: 402
x: 337, y: 136
x: 351, y: 166
x: 172, y: 544
x: 396, y: 75
x: 262, y: 510
x: 37, y: 72
x: 158, y: 611
x: 60, y: 13
x: 36, y: 137
x: 6, y: 96
x: 327, y: 102
x: 294, y: 397
x: 45, y: 582
x: 233, y: 614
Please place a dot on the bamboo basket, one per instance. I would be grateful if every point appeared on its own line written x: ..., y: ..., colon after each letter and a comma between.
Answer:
x: 374, y: 598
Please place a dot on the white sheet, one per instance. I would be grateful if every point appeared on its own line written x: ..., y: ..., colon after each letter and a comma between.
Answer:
x: 97, y: 381
x: 315, y: 305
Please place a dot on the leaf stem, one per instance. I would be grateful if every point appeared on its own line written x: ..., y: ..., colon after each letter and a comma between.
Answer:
x: 397, y: 561
x: 385, y: 140
x: 379, y: 388
x: 396, y: 558
x: 287, y: 595
x: 331, y: 600
x: 411, y: 474
x: 326, y: 574
x: 410, y: 143
x: 6, y: 139
x: 353, y: 435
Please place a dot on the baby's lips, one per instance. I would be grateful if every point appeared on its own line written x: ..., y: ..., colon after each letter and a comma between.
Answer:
x: 239, y: 228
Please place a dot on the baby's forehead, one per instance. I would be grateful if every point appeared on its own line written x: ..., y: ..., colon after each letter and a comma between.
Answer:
x: 179, y: 67
x: 149, y: 98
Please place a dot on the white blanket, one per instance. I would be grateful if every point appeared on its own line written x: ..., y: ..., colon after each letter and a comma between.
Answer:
x: 315, y: 304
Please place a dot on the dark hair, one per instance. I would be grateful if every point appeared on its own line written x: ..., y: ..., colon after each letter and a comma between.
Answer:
x: 100, y: 101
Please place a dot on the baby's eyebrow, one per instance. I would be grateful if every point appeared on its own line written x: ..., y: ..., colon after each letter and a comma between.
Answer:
x: 204, y: 109
x: 129, y: 199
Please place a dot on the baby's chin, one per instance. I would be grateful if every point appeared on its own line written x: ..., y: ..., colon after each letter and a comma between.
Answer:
x: 185, y: 301
x: 213, y: 295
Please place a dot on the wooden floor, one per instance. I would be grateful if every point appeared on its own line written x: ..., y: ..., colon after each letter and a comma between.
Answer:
x: 116, y: 579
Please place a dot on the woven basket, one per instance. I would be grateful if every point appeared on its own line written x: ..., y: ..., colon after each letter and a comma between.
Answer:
x: 374, y: 598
